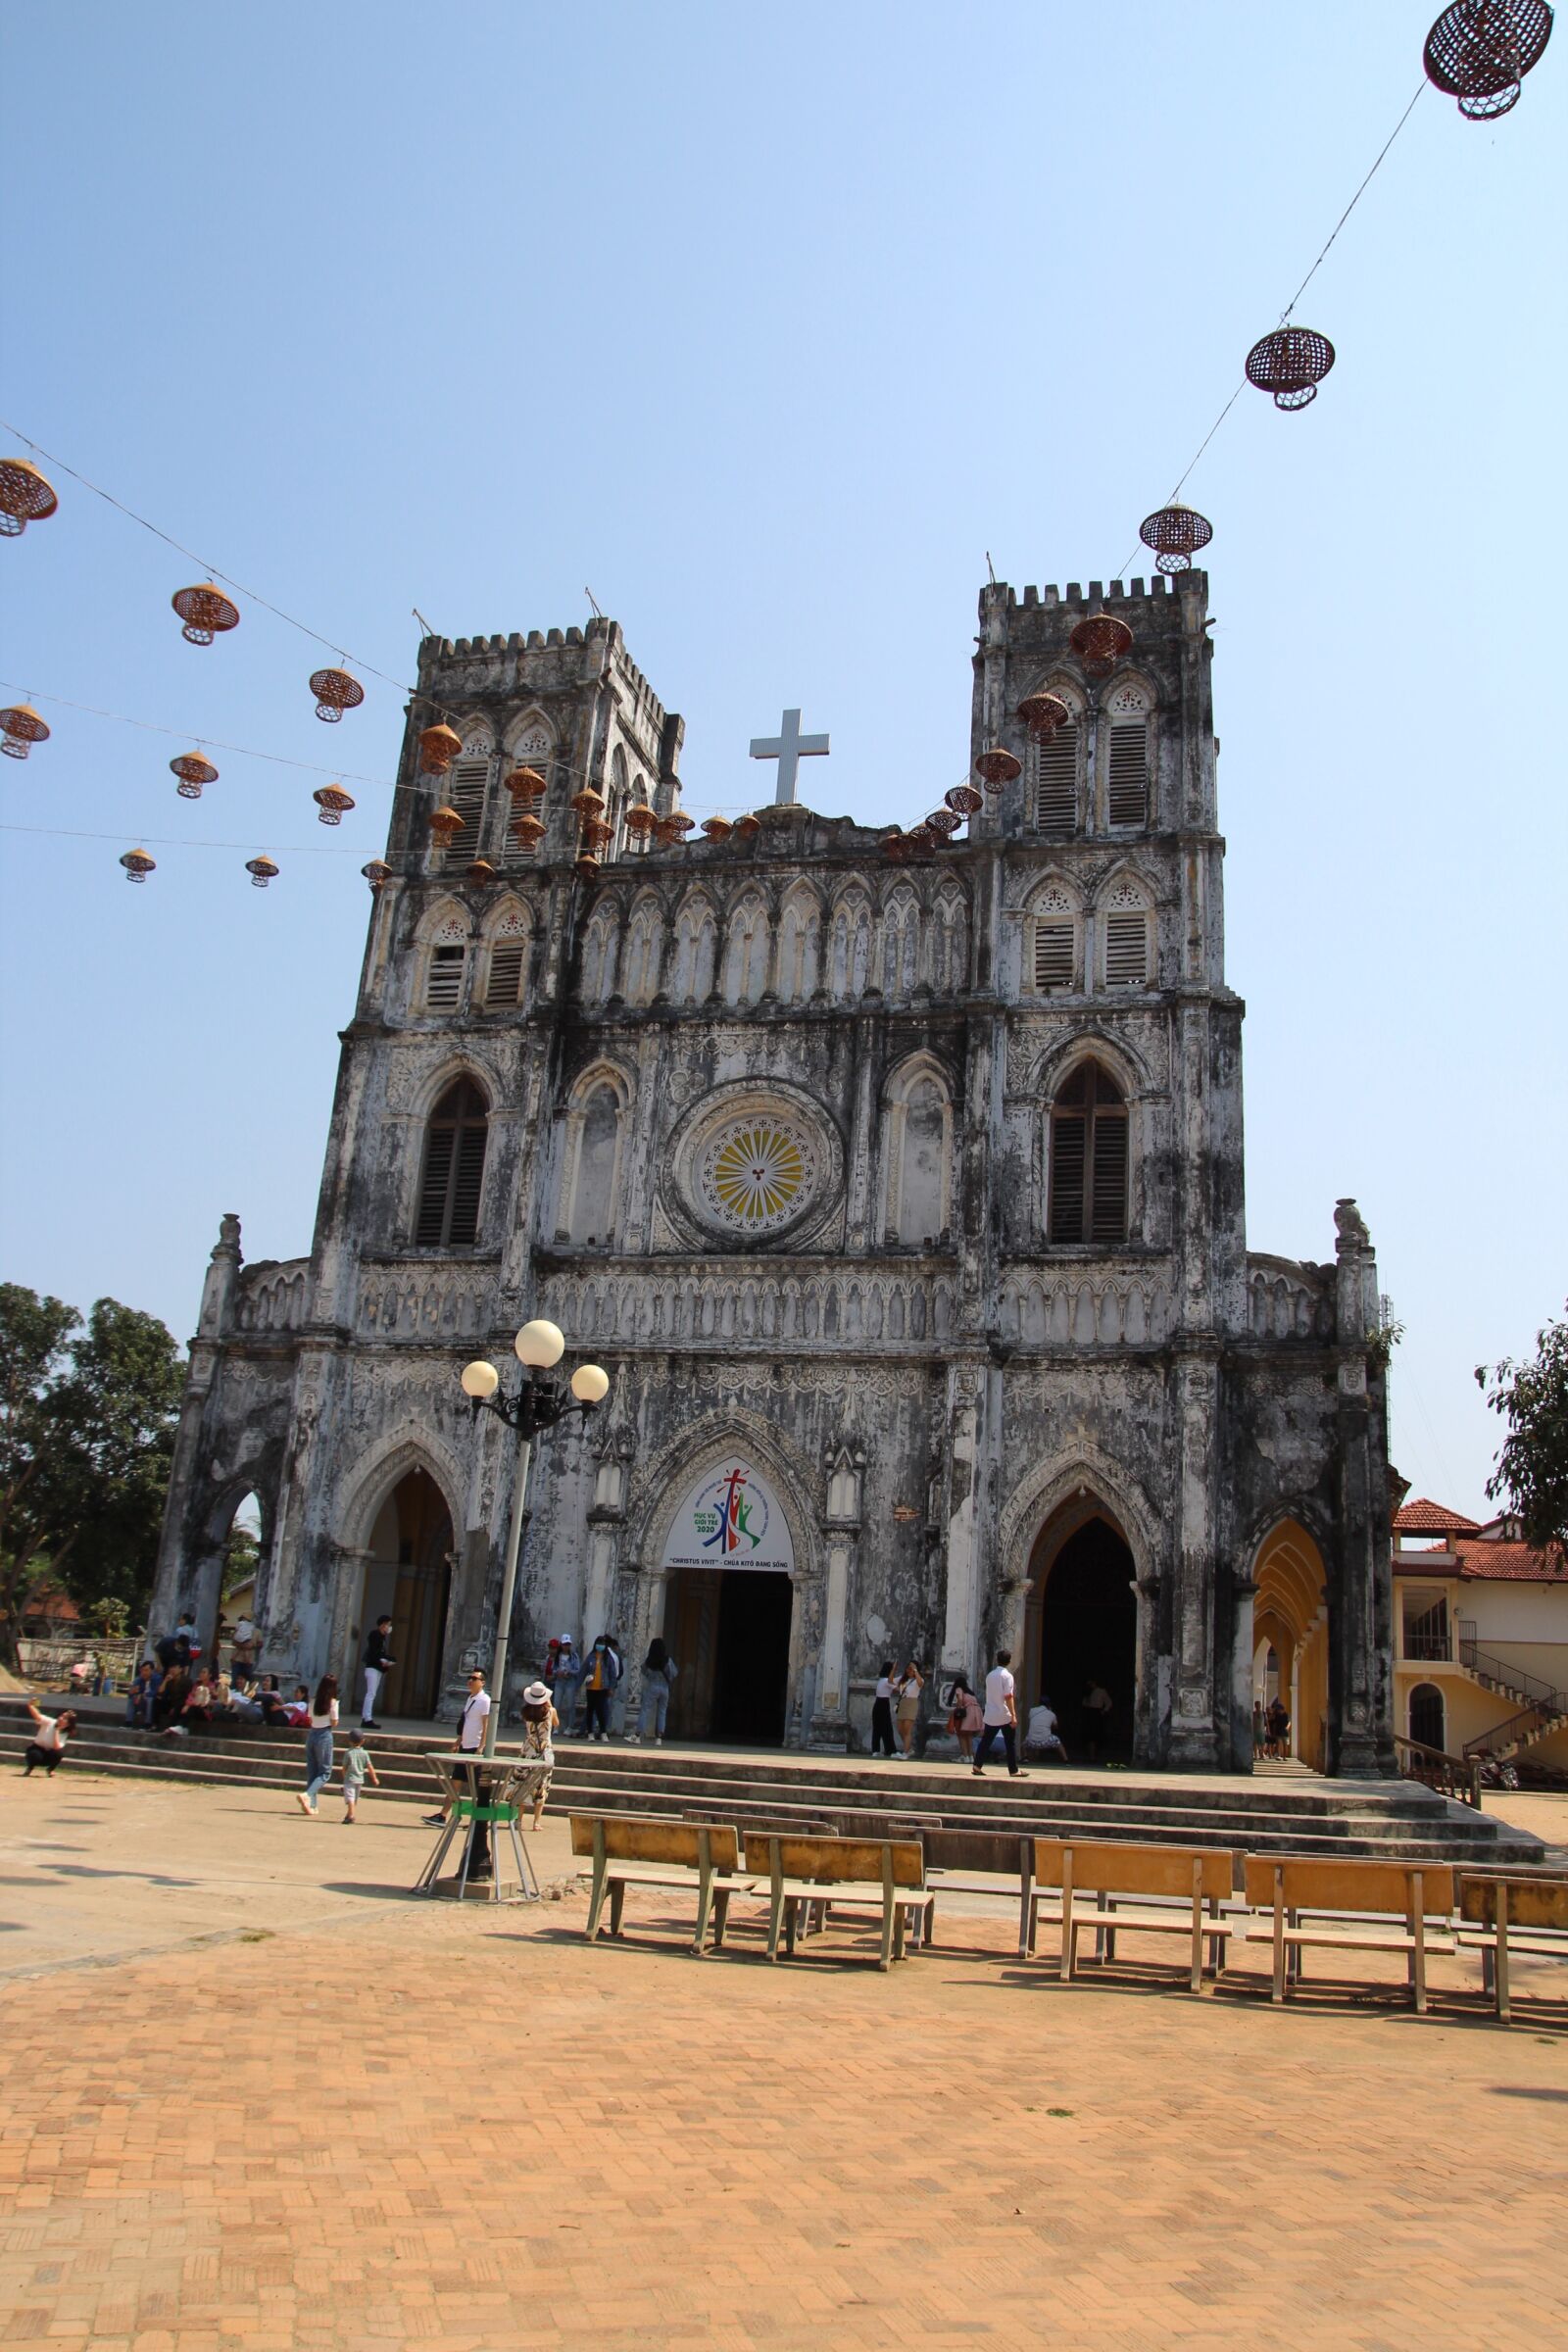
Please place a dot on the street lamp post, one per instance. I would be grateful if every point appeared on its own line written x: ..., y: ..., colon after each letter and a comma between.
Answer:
x: 538, y: 1406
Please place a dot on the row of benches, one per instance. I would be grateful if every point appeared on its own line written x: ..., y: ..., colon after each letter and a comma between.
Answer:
x: 1291, y: 1903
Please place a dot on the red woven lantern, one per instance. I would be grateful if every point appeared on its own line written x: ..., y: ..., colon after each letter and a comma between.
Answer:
x: 481, y: 871
x: 206, y: 612
x: 335, y: 692
x: 1043, y: 714
x: 895, y: 847
x: 597, y: 834
x: 529, y: 828
x: 922, y: 840
x: 1176, y: 534
x: 587, y: 867
x: 943, y: 821
x: 718, y: 828
x: 1479, y: 51
x: 747, y: 828
x: 445, y: 826
x: 375, y: 873
x: 193, y: 771
x: 439, y: 746
x: 1291, y: 362
x: 588, y: 802
x: 333, y: 803
x: 996, y: 767
x: 24, y: 497
x: 640, y: 820
x: 525, y: 784
x: 1101, y: 641
x: 21, y: 728
x: 138, y: 865
x: 260, y: 871
x: 964, y: 801
x: 680, y: 823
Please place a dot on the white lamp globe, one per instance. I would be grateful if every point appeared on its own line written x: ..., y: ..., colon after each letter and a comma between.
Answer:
x: 480, y: 1380
x: 540, y: 1345
x: 590, y: 1385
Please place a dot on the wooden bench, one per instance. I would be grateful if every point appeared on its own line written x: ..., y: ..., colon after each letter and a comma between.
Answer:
x: 1389, y: 1904
x: 1501, y: 1913
x: 631, y: 1849
x: 1127, y: 1883
x: 998, y: 1865
x: 839, y: 1874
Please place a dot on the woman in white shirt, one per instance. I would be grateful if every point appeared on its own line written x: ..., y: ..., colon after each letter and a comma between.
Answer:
x: 318, y: 1741
x: 48, y: 1742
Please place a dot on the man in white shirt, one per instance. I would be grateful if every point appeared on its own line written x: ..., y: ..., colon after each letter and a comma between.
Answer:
x: 468, y: 1742
x: 1002, y: 1715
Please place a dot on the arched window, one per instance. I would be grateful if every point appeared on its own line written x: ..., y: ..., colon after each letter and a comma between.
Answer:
x: 746, y: 954
x: 1124, y: 928
x: 797, y: 950
x: 508, y: 956
x: 454, y: 1169
x: 599, y: 956
x: 901, y: 947
x: 949, y: 959
x: 1427, y: 1720
x: 463, y: 789
x: 1127, y: 757
x: 596, y: 1168
x: 919, y: 1132
x: 693, y: 981
x: 619, y: 802
x: 1058, y: 771
x: 639, y: 965
x: 852, y: 947
x: 448, y: 961
x: 1053, y: 941
x: 1089, y: 1159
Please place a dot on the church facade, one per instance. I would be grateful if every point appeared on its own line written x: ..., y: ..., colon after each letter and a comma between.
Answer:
x: 902, y: 1202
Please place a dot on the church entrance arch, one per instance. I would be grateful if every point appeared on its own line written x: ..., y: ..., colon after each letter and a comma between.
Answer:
x: 729, y: 1608
x: 1081, y: 1627
x: 407, y: 1576
x: 1290, y: 1620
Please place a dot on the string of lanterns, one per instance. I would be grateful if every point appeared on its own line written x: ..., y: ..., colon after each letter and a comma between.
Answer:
x: 1477, y: 52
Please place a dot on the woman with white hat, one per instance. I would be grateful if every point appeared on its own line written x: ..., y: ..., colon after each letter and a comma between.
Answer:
x: 539, y: 1721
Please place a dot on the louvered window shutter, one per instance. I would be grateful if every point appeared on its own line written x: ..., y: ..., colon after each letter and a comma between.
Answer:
x: 1057, y: 783
x: 429, y: 1230
x: 466, y: 797
x: 1054, y: 951
x: 1108, y: 1208
x: 468, y: 1179
x: 1126, y: 948
x: 504, y: 980
x: 1069, y: 1141
x: 443, y: 991
x: 453, y: 1170
x: 1128, y: 793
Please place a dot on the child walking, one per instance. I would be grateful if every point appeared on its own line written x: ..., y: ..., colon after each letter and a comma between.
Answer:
x: 357, y: 1769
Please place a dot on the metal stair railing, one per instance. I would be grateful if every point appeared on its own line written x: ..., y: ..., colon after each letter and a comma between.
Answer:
x: 1435, y: 1768
x: 1538, y: 1697
x: 1519, y: 1730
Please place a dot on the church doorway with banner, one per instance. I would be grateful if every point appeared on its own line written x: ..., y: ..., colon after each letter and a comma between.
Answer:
x: 729, y: 1567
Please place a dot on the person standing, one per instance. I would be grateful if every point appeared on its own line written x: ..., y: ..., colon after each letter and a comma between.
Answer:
x: 564, y: 1689
x: 600, y: 1677
x: 1093, y: 1718
x: 357, y: 1769
x: 48, y: 1742
x: 540, y: 1723
x: 882, y: 1741
x: 659, y: 1675
x: 1000, y: 1720
x: 907, y: 1714
x: 377, y: 1658
x: 242, y: 1657
x: 965, y: 1717
x: 470, y: 1733
x: 319, y: 1742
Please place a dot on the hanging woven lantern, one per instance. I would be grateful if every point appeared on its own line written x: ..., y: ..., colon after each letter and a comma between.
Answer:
x: 587, y: 867
x: 528, y: 830
x: 1479, y: 51
x: 922, y: 840
x: 335, y: 692
x: 375, y: 873
x: 481, y: 871
x: 525, y: 784
x: 964, y: 801
x: 597, y: 834
x: 667, y: 835
x: 446, y: 825
x: 1291, y: 362
x: 1043, y: 714
x: 998, y: 767
x: 680, y: 824
x: 896, y: 848
x: 640, y: 820
x: 333, y: 803
x: 260, y: 871
x: 718, y: 828
x: 1175, y: 533
x: 138, y: 865
x: 439, y: 746
x: 206, y: 612
x: 24, y: 497
x: 21, y: 728
x: 943, y: 821
x: 747, y: 828
x: 1099, y: 640
x: 588, y: 802
x: 193, y: 772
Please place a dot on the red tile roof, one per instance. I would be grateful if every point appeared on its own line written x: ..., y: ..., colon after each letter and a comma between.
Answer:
x: 1508, y: 1563
x: 1424, y: 1518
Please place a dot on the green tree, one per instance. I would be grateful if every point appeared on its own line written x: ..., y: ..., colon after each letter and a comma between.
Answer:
x: 240, y: 1554
x: 1532, y: 1471
x: 87, y: 1419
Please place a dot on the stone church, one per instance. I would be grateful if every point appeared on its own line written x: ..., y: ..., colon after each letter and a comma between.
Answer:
x: 900, y: 1197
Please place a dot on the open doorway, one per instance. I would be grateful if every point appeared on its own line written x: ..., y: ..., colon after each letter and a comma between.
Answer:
x: 728, y: 1630
x: 409, y: 1577
x: 1087, y: 1620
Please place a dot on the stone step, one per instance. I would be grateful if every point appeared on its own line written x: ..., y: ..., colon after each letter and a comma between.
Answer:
x: 1398, y: 1821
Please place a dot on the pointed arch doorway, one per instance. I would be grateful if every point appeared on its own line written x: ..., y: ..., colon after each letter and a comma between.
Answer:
x: 730, y: 1620
x: 1081, y: 1626
x: 407, y: 1576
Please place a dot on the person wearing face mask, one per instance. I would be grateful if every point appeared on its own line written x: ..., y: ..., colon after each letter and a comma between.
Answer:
x: 600, y: 1675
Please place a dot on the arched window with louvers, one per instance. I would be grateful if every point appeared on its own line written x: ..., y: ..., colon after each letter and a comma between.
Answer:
x: 466, y: 788
x: 1126, y: 926
x: 1057, y: 768
x: 1088, y: 1197
x: 1053, y: 942
x: 446, y: 969
x: 1125, y: 729
x: 507, y: 965
x: 451, y: 1178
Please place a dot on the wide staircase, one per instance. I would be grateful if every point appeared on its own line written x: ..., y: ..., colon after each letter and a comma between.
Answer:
x: 1272, y: 1812
x: 1540, y: 1710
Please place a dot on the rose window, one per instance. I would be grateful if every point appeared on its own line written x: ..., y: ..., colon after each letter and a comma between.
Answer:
x: 756, y: 1174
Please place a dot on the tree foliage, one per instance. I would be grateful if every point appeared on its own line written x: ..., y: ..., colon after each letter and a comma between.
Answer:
x: 1532, y: 1472
x: 87, y: 1419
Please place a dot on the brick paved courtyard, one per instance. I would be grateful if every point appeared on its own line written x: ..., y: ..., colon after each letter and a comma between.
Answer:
x: 254, y: 2097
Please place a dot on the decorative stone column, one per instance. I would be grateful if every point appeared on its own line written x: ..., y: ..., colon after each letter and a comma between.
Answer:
x: 1244, y: 1596
x: 1193, y: 1732
x: 841, y: 1531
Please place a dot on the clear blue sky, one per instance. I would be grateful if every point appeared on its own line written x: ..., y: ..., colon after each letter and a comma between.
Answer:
x: 766, y: 325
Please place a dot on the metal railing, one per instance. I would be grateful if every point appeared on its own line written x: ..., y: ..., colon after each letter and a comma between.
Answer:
x: 1424, y: 1646
x: 1542, y: 1696
x: 1450, y: 1776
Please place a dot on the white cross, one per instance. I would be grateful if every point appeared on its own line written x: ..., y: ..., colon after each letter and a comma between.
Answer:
x: 789, y: 747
